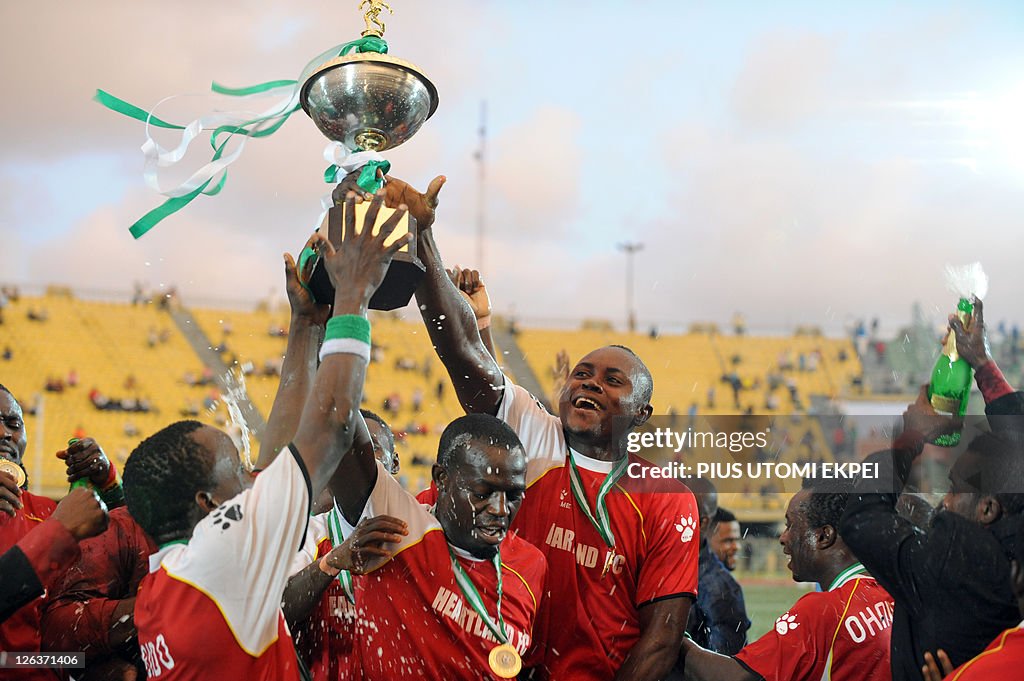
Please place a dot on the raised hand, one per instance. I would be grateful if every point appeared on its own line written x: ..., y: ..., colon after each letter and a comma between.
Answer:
x: 82, y: 513
x: 358, y: 267
x: 396, y: 193
x: 972, y: 342
x: 472, y: 289
x: 921, y: 418
x: 85, y: 459
x: 10, y: 494
x: 299, y: 298
x: 364, y: 550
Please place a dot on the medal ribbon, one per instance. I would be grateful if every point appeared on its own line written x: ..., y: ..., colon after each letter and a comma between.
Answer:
x: 602, y: 523
x: 335, y: 529
x: 474, y: 598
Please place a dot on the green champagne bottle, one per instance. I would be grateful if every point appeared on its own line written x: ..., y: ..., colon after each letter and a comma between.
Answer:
x: 951, y: 378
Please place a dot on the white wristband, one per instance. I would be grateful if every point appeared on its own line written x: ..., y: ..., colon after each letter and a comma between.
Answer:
x: 349, y: 346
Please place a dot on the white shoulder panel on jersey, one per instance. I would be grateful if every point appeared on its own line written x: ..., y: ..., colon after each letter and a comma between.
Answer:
x: 240, y: 554
x: 316, y: 532
x: 540, y: 432
x: 389, y: 498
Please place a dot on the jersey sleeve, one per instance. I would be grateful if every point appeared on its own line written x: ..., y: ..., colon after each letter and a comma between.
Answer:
x: 671, y: 565
x: 241, y: 553
x: 316, y: 532
x: 390, y: 498
x: 540, y: 432
x: 790, y: 650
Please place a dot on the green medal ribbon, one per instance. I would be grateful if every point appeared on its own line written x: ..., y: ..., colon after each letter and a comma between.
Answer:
x: 602, y: 523
x: 474, y: 598
x: 337, y: 534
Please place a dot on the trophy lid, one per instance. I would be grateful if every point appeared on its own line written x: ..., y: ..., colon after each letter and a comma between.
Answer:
x: 368, y: 100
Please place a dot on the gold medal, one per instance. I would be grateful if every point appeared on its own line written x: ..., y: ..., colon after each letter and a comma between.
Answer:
x: 505, y: 661
x: 14, y: 470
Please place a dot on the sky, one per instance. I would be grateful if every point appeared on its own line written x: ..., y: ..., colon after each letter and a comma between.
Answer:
x: 797, y: 162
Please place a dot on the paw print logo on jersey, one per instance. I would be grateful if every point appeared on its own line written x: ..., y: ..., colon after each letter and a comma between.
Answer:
x: 223, y: 517
x: 786, y: 623
x: 686, y: 528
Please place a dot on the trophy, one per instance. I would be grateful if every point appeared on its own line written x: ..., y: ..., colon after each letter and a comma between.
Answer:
x: 368, y: 102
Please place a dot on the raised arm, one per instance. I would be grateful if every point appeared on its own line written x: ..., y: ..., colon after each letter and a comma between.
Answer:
x: 890, y: 546
x: 305, y: 331
x: 453, y: 332
x: 326, y: 431
x: 473, y: 291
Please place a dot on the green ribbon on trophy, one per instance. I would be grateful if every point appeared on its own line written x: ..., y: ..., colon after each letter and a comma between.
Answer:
x: 336, y: 531
x: 602, y: 522
x: 209, y: 180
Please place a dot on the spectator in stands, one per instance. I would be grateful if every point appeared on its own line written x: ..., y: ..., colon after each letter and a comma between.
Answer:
x: 417, y: 399
x: 841, y: 632
x: 725, y: 538
x: 961, y: 564
x: 718, y: 620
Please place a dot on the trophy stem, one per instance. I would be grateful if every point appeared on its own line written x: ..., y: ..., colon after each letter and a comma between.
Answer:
x: 370, y: 141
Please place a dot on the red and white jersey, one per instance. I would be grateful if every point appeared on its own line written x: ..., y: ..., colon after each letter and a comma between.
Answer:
x: 326, y: 639
x: 413, y: 621
x: 655, y: 525
x: 1003, y: 659
x: 840, y: 635
x: 211, y: 608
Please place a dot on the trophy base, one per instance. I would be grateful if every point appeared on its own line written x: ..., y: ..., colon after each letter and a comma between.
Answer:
x: 404, y: 273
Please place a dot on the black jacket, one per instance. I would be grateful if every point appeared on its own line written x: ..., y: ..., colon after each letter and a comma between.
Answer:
x: 951, y: 582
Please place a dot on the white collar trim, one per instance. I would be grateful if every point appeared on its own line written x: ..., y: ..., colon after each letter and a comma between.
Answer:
x: 595, y: 465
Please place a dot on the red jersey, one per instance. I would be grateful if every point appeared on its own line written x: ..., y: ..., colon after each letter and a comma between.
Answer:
x: 211, y: 608
x: 81, y: 610
x: 1003, y: 659
x: 49, y: 549
x: 326, y: 639
x: 841, y: 634
x: 414, y: 622
x: 657, y: 544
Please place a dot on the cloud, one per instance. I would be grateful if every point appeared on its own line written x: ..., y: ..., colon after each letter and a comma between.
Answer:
x: 783, y: 80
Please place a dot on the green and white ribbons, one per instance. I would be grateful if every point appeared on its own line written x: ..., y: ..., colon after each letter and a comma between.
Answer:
x: 602, y: 523
x: 347, y: 333
x: 476, y: 601
x: 336, y: 531
x: 227, y: 127
x: 344, y: 162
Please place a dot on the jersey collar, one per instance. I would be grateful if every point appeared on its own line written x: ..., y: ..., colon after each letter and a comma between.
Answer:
x: 594, y: 465
x: 158, y: 557
x: 855, y: 571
